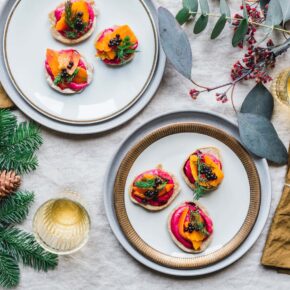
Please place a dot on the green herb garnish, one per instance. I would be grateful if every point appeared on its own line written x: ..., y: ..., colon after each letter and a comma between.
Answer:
x: 196, y: 221
x: 199, y: 189
x: 69, y: 14
x: 145, y: 184
x: 60, y: 78
x: 125, y: 49
x: 74, y: 22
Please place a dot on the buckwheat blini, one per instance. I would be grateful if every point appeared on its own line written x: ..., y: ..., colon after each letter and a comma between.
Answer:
x: 154, y: 189
x: 117, y: 45
x: 190, y: 227
x: 73, y: 21
x: 67, y: 71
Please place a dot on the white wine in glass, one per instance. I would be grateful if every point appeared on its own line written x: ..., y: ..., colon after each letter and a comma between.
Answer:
x: 61, y: 226
x: 281, y: 87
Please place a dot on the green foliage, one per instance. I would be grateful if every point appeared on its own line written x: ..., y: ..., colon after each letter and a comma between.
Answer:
x: 240, y: 33
x: 68, y: 14
x: 188, y: 11
x: 200, y: 24
x: 182, y: 16
x: 278, y: 13
x: 219, y: 27
x: 18, y: 144
x: 145, y: 184
x: 191, y: 5
x: 65, y: 79
x: 14, y: 209
x: 23, y: 247
x: 7, y: 125
x: 74, y: 22
x: 175, y: 43
x: 125, y: 49
x: 204, y: 7
x: 196, y: 220
x: 225, y: 10
x: 9, y: 270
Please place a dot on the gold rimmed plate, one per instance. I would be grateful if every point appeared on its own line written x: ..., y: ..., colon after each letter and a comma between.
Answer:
x: 234, y: 207
x: 113, y: 90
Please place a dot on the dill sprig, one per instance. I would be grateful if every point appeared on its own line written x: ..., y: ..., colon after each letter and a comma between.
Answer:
x: 125, y: 49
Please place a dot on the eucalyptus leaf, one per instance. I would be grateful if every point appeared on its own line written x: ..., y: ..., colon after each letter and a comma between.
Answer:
x: 260, y: 137
x: 175, y: 43
x: 245, y: 12
x: 240, y: 33
x: 200, y: 24
x: 204, y: 7
x: 220, y: 25
x: 274, y: 14
x: 191, y: 5
x: 259, y: 101
x: 225, y: 9
x: 263, y: 3
x: 285, y: 7
x: 183, y: 16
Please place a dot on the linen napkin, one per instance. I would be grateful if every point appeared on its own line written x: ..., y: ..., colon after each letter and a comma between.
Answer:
x: 5, y: 102
x: 277, y: 249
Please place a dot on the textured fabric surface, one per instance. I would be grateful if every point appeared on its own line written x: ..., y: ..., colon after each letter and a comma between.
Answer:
x: 81, y: 163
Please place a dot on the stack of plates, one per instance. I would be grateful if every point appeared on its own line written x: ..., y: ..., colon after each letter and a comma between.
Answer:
x: 239, y: 207
x: 116, y: 94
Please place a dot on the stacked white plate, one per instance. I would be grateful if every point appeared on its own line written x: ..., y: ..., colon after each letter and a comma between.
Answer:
x: 115, y: 95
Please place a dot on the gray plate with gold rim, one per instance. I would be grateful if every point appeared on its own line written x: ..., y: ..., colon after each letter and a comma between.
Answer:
x: 145, y: 247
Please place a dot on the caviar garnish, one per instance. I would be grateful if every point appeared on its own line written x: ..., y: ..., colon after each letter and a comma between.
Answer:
x: 115, y: 42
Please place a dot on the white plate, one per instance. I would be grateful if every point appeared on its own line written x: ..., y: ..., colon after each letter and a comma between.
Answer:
x: 212, y: 119
x: 228, y: 205
x: 113, y: 89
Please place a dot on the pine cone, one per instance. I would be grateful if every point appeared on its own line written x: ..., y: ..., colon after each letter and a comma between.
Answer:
x: 9, y: 182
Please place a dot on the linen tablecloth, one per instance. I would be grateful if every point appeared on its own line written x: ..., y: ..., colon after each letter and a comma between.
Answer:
x: 81, y: 162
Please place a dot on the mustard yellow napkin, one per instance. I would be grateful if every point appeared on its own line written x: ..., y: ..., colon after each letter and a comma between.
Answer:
x: 277, y: 249
x: 5, y: 102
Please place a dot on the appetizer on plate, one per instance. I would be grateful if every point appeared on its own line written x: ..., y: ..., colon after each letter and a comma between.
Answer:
x: 117, y: 45
x: 73, y: 21
x: 67, y: 71
x: 154, y: 189
x: 203, y: 171
x: 190, y: 227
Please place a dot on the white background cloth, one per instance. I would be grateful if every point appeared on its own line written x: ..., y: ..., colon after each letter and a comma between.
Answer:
x: 81, y: 162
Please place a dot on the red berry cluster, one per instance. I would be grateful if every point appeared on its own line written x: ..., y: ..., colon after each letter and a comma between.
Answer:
x: 194, y: 93
x: 221, y: 97
x: 255, y: 15
x: 255, y: 64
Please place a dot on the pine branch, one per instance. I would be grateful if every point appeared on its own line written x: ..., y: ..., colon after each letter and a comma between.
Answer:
x: 8, y: 124
x: 23, y: 247
x: 18, y: 144
x: 26, y: 138
x: 9, y: 270
x: 18, y: 161
x: 14, y: 209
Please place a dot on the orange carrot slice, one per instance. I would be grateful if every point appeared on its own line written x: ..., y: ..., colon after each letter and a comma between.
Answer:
x: 81, y: 77
x: 52, y: 60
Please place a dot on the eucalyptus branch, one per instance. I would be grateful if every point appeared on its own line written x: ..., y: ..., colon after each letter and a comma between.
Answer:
x: 193, y: 14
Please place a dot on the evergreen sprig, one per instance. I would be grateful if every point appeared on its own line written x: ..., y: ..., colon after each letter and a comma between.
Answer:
x: 8, y: 123
x: 9, y: 270
x: 18, y: 144
x: 23, y: 247
x: 14, y: 209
